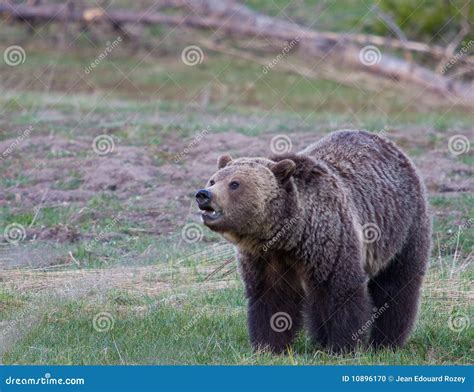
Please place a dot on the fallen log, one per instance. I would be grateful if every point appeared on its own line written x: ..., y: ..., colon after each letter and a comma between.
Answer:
x: 232, y: 19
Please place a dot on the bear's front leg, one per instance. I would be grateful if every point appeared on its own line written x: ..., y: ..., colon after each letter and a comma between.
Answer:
x: 347, y: 310
x: 275, y: 300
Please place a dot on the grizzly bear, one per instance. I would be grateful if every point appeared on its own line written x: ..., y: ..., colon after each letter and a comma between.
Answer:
x: 337, y: 236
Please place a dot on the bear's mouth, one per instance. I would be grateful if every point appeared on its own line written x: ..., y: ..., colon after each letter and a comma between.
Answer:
x: 209, y: 213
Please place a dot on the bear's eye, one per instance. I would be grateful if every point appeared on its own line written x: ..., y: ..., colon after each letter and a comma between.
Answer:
x: 234, y: 185
x: 211, y: 183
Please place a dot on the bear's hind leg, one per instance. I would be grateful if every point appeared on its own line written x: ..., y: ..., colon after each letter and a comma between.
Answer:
x: 395, y: 292
x: 316, y: 309
x: 339, y: 318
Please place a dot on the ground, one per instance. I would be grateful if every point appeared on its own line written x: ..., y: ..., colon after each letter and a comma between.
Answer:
x: 114, y: 265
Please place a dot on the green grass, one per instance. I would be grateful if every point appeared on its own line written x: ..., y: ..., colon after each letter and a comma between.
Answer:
x: 210, y: 328
x: 320, y: 15
x: 453, y: 223
x: 189, y: 324
x: 230, y: 83
x: 10, y: 304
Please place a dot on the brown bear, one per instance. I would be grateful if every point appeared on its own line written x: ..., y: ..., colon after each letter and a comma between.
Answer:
x: 338, y: 234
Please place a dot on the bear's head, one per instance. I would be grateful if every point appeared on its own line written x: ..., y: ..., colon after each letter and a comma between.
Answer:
x: 248, y: 198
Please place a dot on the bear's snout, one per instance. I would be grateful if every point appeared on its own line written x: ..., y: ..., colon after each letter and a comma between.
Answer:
x: 203, y: 197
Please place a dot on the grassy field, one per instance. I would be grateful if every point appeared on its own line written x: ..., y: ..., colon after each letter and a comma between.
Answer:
x: 112, y: 265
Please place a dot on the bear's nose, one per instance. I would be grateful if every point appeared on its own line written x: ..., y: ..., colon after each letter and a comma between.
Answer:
x: 203, y: 197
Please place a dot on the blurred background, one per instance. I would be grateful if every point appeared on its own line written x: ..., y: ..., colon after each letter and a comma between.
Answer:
x: 114, y: 112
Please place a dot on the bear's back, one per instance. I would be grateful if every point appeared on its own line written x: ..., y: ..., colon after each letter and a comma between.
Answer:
x: 383, y: 186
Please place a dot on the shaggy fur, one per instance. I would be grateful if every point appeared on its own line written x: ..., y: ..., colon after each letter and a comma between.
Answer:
x: 300, y: 223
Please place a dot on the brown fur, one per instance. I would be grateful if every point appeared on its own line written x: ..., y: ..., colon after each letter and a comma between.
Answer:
x: 297, y: 221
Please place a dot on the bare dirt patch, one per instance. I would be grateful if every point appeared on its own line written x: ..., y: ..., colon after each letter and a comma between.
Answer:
x: 59, y: 171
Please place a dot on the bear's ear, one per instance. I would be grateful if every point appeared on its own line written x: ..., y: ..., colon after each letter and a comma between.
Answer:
x: 284, y: 169
x: 223, y: 160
